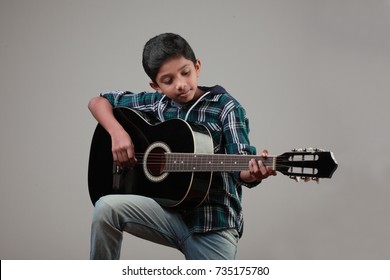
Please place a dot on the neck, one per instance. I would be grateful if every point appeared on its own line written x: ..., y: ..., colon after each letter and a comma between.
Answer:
x: 211, y: 162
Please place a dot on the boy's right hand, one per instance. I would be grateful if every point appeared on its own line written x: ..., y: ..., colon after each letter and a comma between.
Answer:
x: 122, y: 146
x: 123, y: 149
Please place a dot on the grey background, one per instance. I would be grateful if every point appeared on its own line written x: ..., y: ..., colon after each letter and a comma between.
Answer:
x: 310, y: 74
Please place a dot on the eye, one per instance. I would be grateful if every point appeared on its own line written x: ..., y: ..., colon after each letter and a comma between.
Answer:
x: 167, y: 81
x: 186, y: 72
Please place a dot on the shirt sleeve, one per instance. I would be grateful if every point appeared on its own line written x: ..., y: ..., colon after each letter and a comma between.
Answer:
x: 113, y: 96
x: 143, y: 101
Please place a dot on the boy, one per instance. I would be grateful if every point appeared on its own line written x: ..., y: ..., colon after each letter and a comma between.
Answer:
x: 211, y: 230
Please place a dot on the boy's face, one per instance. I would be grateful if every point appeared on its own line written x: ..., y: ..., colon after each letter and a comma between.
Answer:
x: 178, y: 79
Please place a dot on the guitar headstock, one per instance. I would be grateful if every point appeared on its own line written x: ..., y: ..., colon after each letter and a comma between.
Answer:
x: 307, y: 164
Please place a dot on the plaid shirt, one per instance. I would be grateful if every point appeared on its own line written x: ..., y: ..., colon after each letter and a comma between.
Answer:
x: 226, y: 120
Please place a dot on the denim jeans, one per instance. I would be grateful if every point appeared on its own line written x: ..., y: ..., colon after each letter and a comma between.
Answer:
x: 145, y: 218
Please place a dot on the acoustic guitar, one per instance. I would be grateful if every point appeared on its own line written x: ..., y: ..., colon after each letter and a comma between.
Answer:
x: 176, y: 162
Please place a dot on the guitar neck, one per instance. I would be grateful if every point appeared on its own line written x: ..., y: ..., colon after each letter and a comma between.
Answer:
x: 181, y: 162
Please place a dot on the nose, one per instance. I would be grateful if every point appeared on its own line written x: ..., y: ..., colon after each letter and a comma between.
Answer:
x: 180, y: 84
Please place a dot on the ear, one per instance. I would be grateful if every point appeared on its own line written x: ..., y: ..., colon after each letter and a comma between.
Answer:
x: 198, y: 65
x: 155, y: 86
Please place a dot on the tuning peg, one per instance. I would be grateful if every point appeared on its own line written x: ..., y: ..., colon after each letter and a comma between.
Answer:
x: 297, y: 150
x: 305, y: 179
x: 316, y: 179
x: 295, y: 178
x: 311, y: 149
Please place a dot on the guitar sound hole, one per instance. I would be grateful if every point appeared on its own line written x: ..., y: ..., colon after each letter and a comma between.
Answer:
x: 156, y: 161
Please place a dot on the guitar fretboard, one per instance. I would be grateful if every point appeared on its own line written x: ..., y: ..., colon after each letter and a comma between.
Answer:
x: 181, y: 162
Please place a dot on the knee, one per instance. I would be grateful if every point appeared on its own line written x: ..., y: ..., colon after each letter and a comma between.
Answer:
x: 114, y: 208
x: 117, y: 209
x: 104, y: 210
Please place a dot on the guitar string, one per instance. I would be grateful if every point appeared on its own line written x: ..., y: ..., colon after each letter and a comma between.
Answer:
x: 226, y: 168
x: 215, y: 167
x: 213, y: 157
x: 222, y: 156
x: 159, y: 159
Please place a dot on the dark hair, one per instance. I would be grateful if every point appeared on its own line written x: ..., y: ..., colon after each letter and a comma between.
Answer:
x: 161, y: 48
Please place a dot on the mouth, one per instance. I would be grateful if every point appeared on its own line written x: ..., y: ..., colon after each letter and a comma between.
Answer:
x: 183, y: 94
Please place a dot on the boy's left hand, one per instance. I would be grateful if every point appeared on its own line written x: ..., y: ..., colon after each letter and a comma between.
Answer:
x: 258, y: 171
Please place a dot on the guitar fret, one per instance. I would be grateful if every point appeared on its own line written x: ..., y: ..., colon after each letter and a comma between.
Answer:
x: 182, y: 162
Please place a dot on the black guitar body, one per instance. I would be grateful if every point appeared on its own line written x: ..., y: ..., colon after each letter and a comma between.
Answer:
x: 184, y: 189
